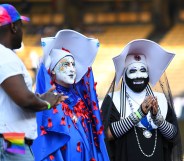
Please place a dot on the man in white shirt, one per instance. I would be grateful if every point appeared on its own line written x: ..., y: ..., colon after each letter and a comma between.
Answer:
x: 18, y: 104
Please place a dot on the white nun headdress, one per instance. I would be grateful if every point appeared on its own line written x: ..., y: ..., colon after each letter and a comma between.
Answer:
x: 70, y: 42
x: 157, y: 59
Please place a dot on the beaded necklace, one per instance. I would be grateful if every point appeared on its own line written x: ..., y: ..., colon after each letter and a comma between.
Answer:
x: 145, y: 122
x: 138, y: 142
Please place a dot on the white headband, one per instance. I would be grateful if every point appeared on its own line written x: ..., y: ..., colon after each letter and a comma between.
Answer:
x: 135, y: 58
x: 56, y: 55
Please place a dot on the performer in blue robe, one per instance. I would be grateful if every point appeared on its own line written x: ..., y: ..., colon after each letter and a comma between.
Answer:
x: 73, y: 129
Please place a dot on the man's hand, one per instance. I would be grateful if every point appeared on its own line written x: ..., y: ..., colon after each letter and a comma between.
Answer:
x: 52, y: 97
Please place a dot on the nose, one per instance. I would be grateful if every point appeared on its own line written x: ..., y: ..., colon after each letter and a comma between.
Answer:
x: 139, y: 74
x: 72, y: 68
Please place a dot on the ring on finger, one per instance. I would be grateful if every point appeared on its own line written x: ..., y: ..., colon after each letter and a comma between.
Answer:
x: 55, y: 93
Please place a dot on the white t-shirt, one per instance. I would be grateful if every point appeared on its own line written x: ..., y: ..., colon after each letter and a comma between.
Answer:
x: 12, y: 117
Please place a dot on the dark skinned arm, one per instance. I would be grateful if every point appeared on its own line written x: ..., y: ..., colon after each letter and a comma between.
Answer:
x: 17, y: 90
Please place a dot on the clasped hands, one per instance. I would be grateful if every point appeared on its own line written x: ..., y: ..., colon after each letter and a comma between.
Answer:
x: 150, y: 103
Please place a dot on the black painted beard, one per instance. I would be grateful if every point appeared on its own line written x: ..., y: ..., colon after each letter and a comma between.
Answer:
x: 137, y: 85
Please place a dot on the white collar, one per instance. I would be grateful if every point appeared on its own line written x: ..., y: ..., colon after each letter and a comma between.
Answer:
x: 137, y: 97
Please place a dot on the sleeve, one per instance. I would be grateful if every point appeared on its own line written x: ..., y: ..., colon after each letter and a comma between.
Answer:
x: 10, y: 68
x: 120, y: 127
x: 172, y: 119
x: 173, y: 146
x: 167, y: 129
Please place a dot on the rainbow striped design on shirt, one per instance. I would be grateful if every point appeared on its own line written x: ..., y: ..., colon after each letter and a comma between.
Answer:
x: 15, y: 142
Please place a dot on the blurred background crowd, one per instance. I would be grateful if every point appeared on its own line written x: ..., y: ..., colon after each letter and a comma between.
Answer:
x: 114, y: 23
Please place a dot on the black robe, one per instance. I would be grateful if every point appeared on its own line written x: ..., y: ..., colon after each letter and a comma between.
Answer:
x: 126, y: 147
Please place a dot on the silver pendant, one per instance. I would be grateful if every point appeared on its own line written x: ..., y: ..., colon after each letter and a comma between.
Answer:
x: 147, y: 134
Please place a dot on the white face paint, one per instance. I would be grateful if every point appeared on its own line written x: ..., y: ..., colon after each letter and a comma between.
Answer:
x: 137, y: 70
x: 65, y: 71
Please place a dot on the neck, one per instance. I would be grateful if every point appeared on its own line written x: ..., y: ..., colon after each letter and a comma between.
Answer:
x: 6, y: 43
x: 61, y: 88
x: 63, y: 84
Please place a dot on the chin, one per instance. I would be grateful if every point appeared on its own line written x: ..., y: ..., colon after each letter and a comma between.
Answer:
x: 137, y: 87
x: 18, y: 46
x: 69, y: 83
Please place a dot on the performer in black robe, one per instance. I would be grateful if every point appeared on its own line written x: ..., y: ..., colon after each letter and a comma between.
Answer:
x: 138, y: 113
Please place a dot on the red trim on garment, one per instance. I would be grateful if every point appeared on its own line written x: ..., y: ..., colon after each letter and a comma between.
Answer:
x: 49, y: 122
x: 64, y: 147
x: 55, y: 110
x: 66, y: 50
x: 95, y: 119
x: 43, y: 132
x: 95, y: 84
x: 51, y: 157
x: 94, y: 106
x: 79, y: 147
x: 88, y: 72
x: 99, y: 132
x: 63, y: 122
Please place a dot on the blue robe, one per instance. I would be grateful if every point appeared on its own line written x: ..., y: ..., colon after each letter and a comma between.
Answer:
x: 62, y: 137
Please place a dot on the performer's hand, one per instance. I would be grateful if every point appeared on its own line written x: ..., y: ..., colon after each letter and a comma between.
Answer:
x: 147, y: 104
x: 154, y: 108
